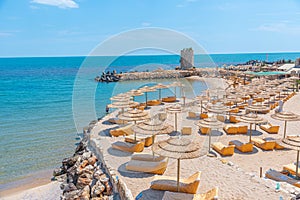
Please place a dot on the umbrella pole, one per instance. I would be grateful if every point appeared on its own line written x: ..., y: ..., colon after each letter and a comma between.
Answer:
x: 159, y: 94
x: 178, y: 170
x: 175, y: 92
x: 284, y: 133
x: 250, y: 132
x: 201, y: 106
x: 176, y: 122
x: 209, y: 140
x: 297, y: 164
x: 146, y: 94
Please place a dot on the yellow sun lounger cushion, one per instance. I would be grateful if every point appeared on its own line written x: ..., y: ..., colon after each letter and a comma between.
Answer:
x: 146, y: 157
x: 147, y: 140
x: 169, y: 99
x: 242, y: 130
x: 153, y: 102
x: 230, y: 129
x: 152, y: 167
x: 243, y: 147
x: 291, y: 168
x: 128, y: 147
x: 192, y: 115
x: 126, y: 130
x: 233, y: 119
x: 269, y: 128
x: 223, y: 149
x: 203, y: 115
x: 169, y: 183
x: 265, y: 145
x: 209, y: 195
x: 204, y: 130
x: 186, y: 130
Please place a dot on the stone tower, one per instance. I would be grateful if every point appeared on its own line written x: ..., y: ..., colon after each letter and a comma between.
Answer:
x: 297, y: 62
x: 187, y: 58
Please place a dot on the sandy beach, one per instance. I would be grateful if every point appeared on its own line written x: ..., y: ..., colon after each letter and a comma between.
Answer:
x: 237, y: 177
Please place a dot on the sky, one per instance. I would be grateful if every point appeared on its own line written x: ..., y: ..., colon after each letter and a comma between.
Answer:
x: 76, y: 27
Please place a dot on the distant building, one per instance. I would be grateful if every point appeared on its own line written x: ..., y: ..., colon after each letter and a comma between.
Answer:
x: 297, y: 62
x: 187, y: 58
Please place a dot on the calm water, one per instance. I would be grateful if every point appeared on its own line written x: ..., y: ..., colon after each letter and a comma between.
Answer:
x: 36, y: 116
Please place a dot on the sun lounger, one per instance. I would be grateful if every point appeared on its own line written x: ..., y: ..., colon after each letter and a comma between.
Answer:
x: 148, y: 140
x: 126, y: 130
x: 153, y: 102
x: 146, y: 157
x: 128, y: 147
x: 169, y: 183
x: 234, y: 110
x: 230, y: 129
x: 277, y: 176
x: 152, y: 167
x: 204, y: 130
x: 242, y: 129
x: 209, y: 195
x: 223, y: 149
x: 291, y: 168
x: 169, y: 99
x: 117, y: 121
x: 186, y: 130
x: 192, y: 115
x: 221, y: 118
x: 233, y: 119
x: 243, y: 147
x: 269, y: 128
x: 265, y: 145
x: 203, y: 115
x: 277, y: 146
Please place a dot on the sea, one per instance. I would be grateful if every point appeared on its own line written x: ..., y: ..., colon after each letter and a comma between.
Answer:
x: 45, y: 102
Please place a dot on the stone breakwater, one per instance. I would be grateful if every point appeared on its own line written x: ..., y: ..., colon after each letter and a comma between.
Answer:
x: 82, y: 176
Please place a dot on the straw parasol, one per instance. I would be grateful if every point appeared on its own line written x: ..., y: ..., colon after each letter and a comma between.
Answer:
x: 217, y: 108
x: 211, y: 123
x: 123, y: 104
x: 252, y: 118
x: 135, y: 93
x: 120, y: 97
x: 160, y: 86
x: 292, y: 142
x: 152, y: 127
x: 178, y: 148
x: 174, y: 109
x: 147, y: 89
x: 285, y: 116
x: 134, y: 115
x: 201, y: 98
x: 175, y: 85
x: 258, y: 108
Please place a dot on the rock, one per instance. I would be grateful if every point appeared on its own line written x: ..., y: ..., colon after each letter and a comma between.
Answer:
x: 84, y: 164
x: 58, y: 172
x: 70, y: 187
x: 71, y: 195
x: 97, y: 189
x: 86, y: 155
x: 98, y: 173
x: 83, y: 181
x: 84, y: 194
x: 230, y: 163
x: 92, y: 160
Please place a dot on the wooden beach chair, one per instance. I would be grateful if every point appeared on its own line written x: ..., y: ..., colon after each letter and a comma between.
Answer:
x: 291, y: 168
x: 126, y: 130
x: 264, y: 145
x: 146, y: 156
x: 223, y: 149
x: 233, y: 119
x: 169, y: 99
x: 230, y: 129
x: 269, y: 128
x: 242, y: 129
x: 204, y: 130
x: 128, y: 147
x: 192, y: 115
x: 169, y: 183
x: 203, y: 115
x: 148, y: 140
x: 186, y: 130
x: 209, y: 195
x: 277, y: 146
x: 148, y: 166
x: 242, y: 147
x: 153, y: 102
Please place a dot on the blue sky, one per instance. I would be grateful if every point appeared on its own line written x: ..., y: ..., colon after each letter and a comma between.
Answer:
x: 76, y: 27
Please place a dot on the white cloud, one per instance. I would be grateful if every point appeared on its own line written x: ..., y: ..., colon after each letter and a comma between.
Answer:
x: 5, y: 34
x: 58, y: 3
x: 280, y: 27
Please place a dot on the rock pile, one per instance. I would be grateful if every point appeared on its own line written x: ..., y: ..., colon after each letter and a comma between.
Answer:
x: 82, y: 177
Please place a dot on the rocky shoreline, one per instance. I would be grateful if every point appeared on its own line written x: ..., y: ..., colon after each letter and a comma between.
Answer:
x: 82, y: 175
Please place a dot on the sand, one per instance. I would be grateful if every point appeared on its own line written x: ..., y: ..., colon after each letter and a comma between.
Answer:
x: 239, y: 180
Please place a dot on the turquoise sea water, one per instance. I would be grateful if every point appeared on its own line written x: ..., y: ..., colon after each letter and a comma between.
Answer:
x: 36, y: 116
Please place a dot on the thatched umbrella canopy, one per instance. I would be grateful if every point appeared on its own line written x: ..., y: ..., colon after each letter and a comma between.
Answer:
x: 217, y: 108
x: 174, y: 109
x: 160, y: 86
x: 147, y: 89
x: 175, y: 85
x: 120, y: 97
x: 123, y: 104
x: 252, y: 118
x: 258, y: 108
x: 152, y: 127
x: 135, y: 93
x: 292, y: 142
x: 211, y: 123
x: 200, y: 99
x: 178, y: 148
x: 285, y: 116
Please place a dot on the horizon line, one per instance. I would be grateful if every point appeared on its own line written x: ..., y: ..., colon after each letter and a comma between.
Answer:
x: 216, y: 53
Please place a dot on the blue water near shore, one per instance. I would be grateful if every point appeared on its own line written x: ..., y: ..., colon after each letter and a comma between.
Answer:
x: 36, y: 117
